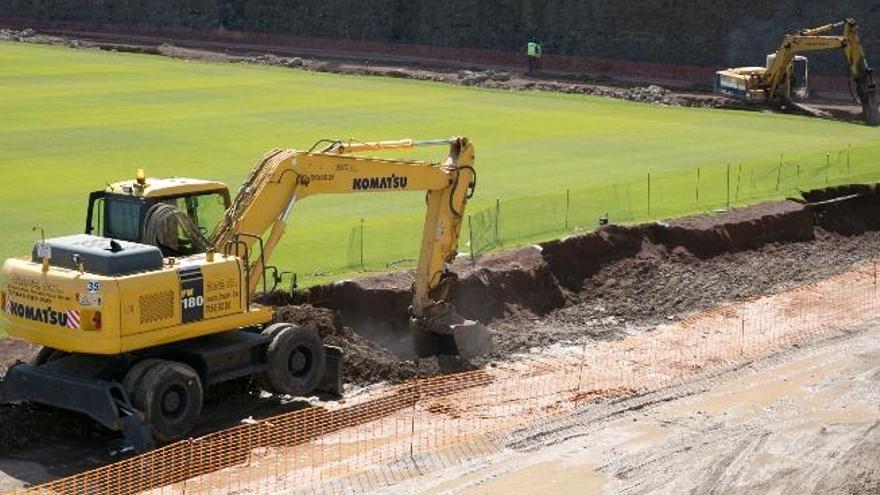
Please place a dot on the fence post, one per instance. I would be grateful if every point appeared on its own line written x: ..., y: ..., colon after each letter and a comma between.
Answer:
x: 580, y: 374
x: 779, y: 172
x: 698, y: 187
x: 412, y: 428
x: 363, y: 266
x: 797, y: 182
x: 728, y: 186
x: 497, y: 221
x: 567, y: 206
x: 827, y: 166
x: 471, y: 237
x: 739, y: 175
x: 848, y: 172
x: 649, y: 194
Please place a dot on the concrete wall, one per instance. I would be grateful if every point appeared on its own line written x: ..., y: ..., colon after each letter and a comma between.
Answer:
x: 689, y: 32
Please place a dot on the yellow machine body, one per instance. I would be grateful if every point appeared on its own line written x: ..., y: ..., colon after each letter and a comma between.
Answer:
x: 80, y: 312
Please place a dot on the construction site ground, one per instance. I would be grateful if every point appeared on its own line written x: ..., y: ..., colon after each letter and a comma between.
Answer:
x: 598, y: 287
x: 836, y: 104
x: 804, y: 421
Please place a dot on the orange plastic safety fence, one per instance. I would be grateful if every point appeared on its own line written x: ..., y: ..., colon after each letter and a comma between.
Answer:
x: 383, y: 437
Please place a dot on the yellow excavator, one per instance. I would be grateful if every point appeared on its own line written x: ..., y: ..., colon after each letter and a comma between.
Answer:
x: 776, y: 83
x: 154, y: 302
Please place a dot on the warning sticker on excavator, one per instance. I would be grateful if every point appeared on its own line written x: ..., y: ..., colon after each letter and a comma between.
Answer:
x: 89, y: 300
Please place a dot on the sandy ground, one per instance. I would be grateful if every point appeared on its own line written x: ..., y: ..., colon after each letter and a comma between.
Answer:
x: 760, y: 396
x: 803, y: 422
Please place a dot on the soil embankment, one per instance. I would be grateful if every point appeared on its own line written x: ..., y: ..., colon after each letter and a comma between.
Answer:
x: 616, y: 280
x: 602, y: 285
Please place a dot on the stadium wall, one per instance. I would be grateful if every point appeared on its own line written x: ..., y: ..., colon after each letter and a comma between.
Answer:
x: 691, y: 33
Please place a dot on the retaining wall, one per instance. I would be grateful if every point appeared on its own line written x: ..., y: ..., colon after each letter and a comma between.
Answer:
x: 697, y: 33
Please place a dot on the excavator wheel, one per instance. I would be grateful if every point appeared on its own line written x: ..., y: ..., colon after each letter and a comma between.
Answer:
x: 170, y: 396
x: 296, y: 358
x: 134, y: 374
x: 47, y: 354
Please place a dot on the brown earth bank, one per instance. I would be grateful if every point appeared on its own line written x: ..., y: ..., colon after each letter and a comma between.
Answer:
x: 600, y: 285
x: 834, y: 102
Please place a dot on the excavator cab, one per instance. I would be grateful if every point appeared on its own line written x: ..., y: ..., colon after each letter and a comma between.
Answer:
x: 176, y: 215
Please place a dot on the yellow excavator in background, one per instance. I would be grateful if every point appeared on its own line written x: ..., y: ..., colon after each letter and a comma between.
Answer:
x: 154, y: 302
x: 777, y: 83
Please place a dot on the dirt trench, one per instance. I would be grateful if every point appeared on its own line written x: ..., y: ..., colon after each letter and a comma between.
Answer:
x: 603, y: 284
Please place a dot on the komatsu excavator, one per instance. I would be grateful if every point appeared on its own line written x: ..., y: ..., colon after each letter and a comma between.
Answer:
x: 142, y: 312
x: 774, y: 83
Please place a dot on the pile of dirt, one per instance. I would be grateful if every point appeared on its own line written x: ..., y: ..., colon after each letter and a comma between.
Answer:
x: 603, y: 284
x: 28, y: 425
x: 365, y: 361
x: 17, y: 35
x: 651, y: 94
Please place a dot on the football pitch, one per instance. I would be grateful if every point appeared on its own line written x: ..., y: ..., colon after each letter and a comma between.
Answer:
x: 74, y: 120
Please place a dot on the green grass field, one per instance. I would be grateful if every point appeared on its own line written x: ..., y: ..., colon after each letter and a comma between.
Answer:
x: 74, y: 120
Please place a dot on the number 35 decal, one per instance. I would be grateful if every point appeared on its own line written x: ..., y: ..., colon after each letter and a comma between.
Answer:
x: 93, y: 287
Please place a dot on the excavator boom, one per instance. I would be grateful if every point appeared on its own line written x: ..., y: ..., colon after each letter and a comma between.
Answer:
x: 261, y: 211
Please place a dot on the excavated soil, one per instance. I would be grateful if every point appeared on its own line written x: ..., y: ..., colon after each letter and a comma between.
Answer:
x: 601, y: 285
x: 604, y: 284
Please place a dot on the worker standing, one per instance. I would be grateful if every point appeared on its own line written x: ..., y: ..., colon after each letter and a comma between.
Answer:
x: 533, y: 51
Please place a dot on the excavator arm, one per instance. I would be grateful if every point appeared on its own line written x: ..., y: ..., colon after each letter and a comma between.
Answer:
x: 261, y: 211
x: 778, y: 75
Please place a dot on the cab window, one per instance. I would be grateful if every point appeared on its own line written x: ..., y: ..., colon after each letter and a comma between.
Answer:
x: 183, y: 225
x: 204, y: 210
x: 122, y: 218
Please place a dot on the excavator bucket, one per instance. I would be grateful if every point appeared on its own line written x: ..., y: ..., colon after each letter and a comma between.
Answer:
x: 443, y: 331
x: 471, y: 339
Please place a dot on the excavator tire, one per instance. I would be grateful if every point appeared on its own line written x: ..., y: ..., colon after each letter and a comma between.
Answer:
x: 47, y: 354
x: 134, y: 374
x: 170, y: 396
x: 297, y: 360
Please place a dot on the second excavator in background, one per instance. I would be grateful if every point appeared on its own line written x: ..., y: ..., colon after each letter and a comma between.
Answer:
x: 784, y: 79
